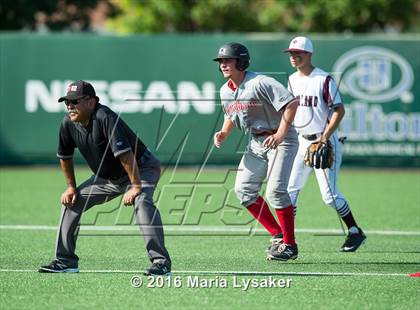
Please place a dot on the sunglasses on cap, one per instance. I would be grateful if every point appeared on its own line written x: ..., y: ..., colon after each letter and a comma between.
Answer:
x: 75, y: 101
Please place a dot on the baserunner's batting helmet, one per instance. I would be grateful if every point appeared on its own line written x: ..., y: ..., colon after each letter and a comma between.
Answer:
x: 237, y: 51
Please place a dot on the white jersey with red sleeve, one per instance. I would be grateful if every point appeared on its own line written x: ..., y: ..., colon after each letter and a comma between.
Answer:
x: 317, y: 93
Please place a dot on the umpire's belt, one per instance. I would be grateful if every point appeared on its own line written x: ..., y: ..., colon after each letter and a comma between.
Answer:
x: 310, y: 137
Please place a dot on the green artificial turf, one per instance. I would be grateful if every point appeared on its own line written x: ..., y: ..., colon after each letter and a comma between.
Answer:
x: 385, y: 203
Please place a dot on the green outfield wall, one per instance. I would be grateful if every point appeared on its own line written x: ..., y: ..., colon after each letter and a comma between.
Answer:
x: 166, y: 88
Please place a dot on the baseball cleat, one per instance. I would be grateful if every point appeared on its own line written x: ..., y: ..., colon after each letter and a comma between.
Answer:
x: 283, y: 252
x: 353, y: 241
x: 158, y: 269
x: 56, y: 267
x: 275, y: 242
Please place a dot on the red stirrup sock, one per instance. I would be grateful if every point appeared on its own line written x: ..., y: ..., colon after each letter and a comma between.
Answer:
x: 287, y: 223
x: 262, y: 213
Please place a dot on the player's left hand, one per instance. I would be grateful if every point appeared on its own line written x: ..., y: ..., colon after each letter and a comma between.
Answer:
x: 319, y: 155
x: 131, y: 195
x: 272, y: 141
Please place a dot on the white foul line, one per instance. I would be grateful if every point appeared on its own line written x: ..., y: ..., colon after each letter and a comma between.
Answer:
x: 206, y: 229
x: 236, y: 273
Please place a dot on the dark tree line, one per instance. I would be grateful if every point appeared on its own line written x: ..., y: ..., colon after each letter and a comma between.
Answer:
x: 155, y: 16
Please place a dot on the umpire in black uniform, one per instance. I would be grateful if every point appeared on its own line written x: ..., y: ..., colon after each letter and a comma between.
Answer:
x: 121, y: 164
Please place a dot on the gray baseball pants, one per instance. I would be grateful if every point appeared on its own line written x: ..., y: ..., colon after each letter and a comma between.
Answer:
x: 275, y: 165
x: 96, y: 191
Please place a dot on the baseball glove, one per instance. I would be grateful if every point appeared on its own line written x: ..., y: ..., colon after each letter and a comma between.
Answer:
x: 319, y: 155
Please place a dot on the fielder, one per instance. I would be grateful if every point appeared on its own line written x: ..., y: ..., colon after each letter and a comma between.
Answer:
x: 317, y: 118
x: 261, y: 106
x: 122, y: 165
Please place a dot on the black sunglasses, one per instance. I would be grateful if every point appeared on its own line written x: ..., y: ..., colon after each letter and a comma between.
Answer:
x: 75, y: 102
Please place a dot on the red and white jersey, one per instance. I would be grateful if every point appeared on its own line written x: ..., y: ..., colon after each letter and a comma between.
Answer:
x: 317, y: 93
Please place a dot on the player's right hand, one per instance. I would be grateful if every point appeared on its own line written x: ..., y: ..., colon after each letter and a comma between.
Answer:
x: 68, y: 198
x: 218, y: 138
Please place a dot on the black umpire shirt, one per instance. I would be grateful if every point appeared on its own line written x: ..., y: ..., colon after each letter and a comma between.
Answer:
x: 105, y: 138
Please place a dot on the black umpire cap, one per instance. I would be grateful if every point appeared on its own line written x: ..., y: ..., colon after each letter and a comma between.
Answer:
x: 78, y: 90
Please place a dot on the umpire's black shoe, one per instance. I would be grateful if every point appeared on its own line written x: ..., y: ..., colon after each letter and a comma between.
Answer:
x: 276, y: 240
x: 56, y: 267
x: 283, y: 252
x: 353, y: 241
x: 158, y: 269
